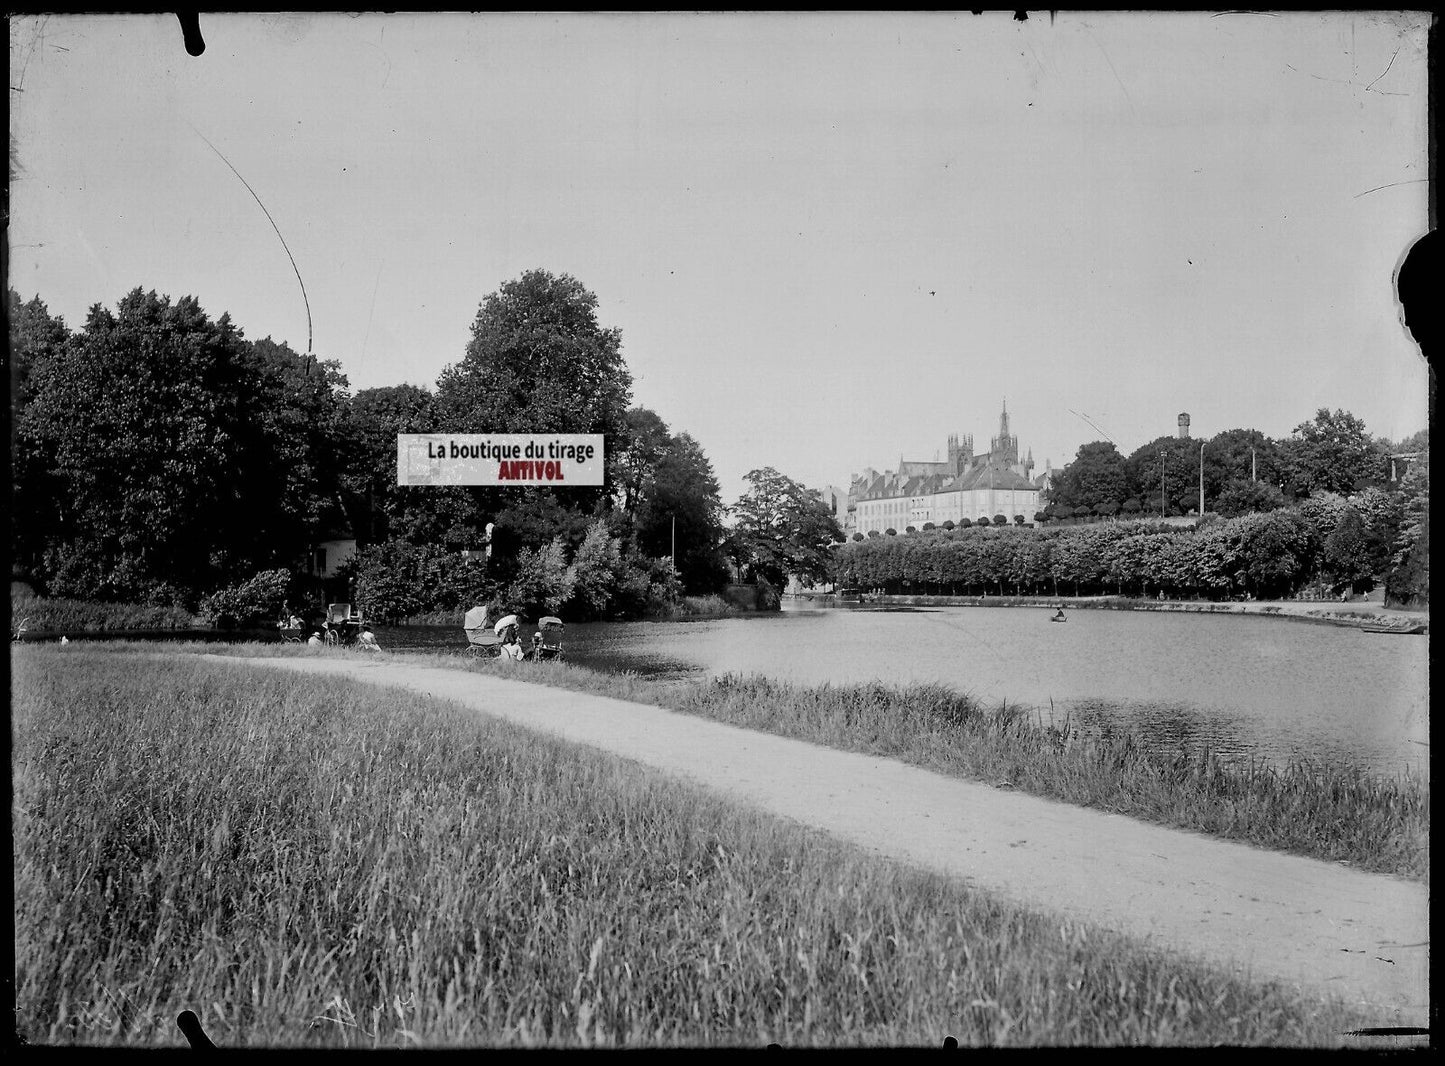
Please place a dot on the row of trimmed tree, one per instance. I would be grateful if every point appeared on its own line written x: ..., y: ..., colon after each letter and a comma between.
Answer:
x: 1324, y: 541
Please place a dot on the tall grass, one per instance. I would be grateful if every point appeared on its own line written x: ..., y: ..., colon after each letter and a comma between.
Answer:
x: 1375, y: 823
x: 81, y: 616
x: 307, y: 861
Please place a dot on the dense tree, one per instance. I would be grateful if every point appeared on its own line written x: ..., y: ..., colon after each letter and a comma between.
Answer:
x: 181, y: 457
x: 34, y: 337
x: 1096, y: 475
x: 1408, y: 581
x: 782, y: 528
x: 1333, y: 453
x: 1240, y: 455
x: 539, y: 362
x: 396, y: 579
x: 1381, y: 511
x: 1242, y: 496
x: 299, y: 413
x: 1347, y: 556
x: 420, y: 514
x: 1180, y: 474
x: 1415, y: 442
x: 674, y: 505
x: 638, y: 452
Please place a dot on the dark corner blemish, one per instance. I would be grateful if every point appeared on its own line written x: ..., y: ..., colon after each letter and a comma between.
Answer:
x: 191, y: 32
x: 188, y: 1023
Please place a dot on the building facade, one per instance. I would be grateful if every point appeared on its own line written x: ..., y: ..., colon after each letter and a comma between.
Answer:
x: 963, y: 486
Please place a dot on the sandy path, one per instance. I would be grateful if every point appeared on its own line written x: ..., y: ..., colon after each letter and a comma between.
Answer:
x: 1309, y: 923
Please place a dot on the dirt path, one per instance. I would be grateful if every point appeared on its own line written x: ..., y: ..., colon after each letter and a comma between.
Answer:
x: 1264, y: 914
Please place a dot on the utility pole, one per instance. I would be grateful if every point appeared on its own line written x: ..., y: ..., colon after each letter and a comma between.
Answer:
x: 1161, y: 485
x: 674, y: 543
x: 1201, y: 479
x: 1253, y: 466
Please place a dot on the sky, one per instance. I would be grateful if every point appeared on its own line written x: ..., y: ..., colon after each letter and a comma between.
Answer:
x: 828, y: 240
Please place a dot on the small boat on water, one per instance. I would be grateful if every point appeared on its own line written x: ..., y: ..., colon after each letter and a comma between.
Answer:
x: 1418, y: 627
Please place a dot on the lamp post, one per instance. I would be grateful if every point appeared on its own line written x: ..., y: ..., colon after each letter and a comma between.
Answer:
x: 1201, y: 479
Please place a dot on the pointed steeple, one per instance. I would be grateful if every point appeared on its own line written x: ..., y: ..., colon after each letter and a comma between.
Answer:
x: 1003, y: 422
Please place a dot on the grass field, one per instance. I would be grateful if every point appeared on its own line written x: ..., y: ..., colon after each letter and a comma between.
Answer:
x: 311, y: 862
x: 1379, y: 824
x: 1308, y: 808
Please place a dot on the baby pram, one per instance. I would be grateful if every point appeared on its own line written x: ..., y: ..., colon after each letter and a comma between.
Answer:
x: 343, y: 623
x: 483, y: 642
x: 547, y: 641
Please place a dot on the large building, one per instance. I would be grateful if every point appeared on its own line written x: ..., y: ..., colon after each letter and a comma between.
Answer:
x: 962, y: 486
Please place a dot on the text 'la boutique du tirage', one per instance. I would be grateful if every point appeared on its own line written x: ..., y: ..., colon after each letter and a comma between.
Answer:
x: 558, y: 460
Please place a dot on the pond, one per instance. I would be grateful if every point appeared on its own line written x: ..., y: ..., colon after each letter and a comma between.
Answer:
x: 1239, y: 685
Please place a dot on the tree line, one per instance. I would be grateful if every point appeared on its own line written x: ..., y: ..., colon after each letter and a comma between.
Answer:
x: 1243, y: 470
x: 161, y: 457
x: 1325, y: 541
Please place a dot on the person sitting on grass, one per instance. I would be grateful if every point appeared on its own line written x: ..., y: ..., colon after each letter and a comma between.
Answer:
x: 512, y: 643
x: 367, y: 639
x: 315, y: 639
x: 1059, y: 617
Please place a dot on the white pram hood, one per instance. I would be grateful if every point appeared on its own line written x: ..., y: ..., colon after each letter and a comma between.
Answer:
x: 476, y: 618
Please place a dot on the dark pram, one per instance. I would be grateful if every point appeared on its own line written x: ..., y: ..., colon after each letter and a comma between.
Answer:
x: 343, y: 624
x: 547, y: 641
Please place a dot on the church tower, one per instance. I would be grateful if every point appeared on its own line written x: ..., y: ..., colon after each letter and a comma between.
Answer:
x: 1004, y: 449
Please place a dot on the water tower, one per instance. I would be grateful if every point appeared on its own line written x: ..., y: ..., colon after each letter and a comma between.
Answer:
x: 1184, y: 425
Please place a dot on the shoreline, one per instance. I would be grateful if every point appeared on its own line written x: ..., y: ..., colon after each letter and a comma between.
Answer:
x: 1318, y: 612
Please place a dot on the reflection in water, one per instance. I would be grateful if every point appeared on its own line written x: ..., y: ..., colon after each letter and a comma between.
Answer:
x: 1237, y: 685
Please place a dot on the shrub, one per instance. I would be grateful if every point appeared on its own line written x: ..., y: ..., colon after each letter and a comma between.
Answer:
x: 544, y: 581
x: 250, y: 603
x: 595, y: 570
x: 768, y: 598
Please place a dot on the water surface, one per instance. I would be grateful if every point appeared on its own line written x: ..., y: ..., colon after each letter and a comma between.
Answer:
x: 1237, y: 684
